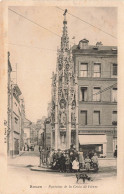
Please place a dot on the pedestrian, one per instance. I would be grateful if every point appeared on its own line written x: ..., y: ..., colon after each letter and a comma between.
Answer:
x: 62, y: 163
x: 71, y: 155
x: 90, y: 154
x: 47, y: 155
x: 95, y: 159
x: 67, y: 163
x: 27, y: 147
x: 87, y: 163
x: 81, y: 160
x: 75, y: 165
x: 43, y: 156
x: 40, y: 148
x: 58, y: 155
x: 75, y: 154
x: 51, y: 156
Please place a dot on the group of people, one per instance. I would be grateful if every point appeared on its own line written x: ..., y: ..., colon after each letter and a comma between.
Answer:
x: 68, y: 160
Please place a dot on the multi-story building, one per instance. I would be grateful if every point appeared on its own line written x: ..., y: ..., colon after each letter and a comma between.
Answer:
x: 96, y: 72
x: 33, y: 133
x: 15, y: 120
x: 84, y: 97
x: 16, y: 116
x: 22, y: 104
x: 26, y: 132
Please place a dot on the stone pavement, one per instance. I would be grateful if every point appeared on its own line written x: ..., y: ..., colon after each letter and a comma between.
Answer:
x: 25, y: 159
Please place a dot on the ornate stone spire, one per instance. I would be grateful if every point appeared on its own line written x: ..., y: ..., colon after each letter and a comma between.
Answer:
x: 65, y: 38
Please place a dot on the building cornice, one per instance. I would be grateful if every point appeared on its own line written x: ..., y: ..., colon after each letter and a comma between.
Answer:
x: 97, y: 79
x: 98, y: 103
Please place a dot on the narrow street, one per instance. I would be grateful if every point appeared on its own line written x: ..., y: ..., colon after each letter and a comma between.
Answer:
x: 19, y: 171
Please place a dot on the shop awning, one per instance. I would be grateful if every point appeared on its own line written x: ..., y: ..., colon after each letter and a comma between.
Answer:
x: 92, y: 139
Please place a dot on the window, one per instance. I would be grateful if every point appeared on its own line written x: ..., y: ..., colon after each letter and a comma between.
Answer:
x: 114, y: 69
x: 114, y: 117
x: 114, y: 95
x: 97, y: 70
x: 83, y: 117
x: 83, y: 69
x: 83, y: 94
x: 96, y: 94
x: 96, y: 117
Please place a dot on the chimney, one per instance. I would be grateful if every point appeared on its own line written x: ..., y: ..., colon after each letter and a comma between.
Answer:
x: 83, y: 43
x: 99, y: 43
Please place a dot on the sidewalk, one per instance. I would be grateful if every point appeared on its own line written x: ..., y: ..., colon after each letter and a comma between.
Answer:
x: 106, y: 162
x: 31, y: 159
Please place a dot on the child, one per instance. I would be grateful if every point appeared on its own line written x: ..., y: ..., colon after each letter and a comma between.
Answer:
x: 95, y: 159
x: 87, y: 163
x: 81, y: 160
x: 75, y: 165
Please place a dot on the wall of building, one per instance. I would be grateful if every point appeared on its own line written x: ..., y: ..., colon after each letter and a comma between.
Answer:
x: 106, y: 63
x: 105, y: 106
x: 15, y: 130
x: 105, y: 112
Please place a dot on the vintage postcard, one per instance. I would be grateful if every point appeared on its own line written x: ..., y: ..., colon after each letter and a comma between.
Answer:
x: 61, y: 103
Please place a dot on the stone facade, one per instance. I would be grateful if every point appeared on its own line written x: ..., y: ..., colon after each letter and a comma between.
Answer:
x: 16, y: 116
x: 63, y: 116
x: 15, y: 120
x: 96, y: 68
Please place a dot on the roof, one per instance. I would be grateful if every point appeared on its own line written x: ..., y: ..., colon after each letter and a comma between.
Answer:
x: 101, y: 47
x: 95, y: 49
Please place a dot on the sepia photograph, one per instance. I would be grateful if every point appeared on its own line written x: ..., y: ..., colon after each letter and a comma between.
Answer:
x: 62, y: 85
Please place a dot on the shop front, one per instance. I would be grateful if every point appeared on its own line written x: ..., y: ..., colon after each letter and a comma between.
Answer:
x: 90, y: 143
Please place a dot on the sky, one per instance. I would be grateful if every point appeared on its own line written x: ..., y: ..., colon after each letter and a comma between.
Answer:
x: 33, y: 48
